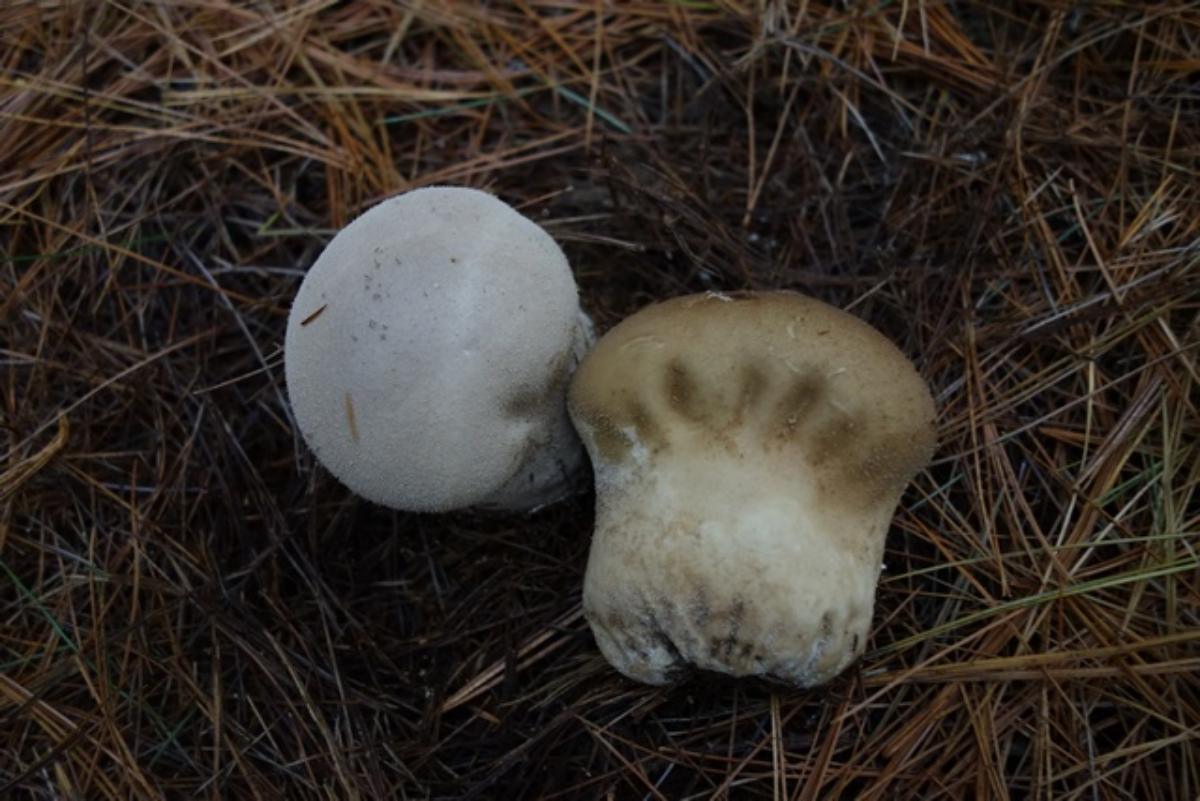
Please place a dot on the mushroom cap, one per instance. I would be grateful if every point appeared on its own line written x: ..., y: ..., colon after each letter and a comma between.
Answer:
x: 749, y: 451
x: 428, y: 350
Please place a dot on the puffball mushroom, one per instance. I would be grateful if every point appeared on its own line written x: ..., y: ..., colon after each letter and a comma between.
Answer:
x: 749, y: 451
x: 428, y: 352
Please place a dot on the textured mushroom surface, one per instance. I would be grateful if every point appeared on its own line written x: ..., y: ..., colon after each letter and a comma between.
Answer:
x: 749, y: 452
x: 428, y: 352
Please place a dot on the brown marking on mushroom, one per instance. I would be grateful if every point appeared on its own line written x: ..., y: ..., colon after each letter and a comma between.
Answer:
x: 350, y: 421
x: 753, y: 385
x: 887, y: 461
x: 878, y: 464
x: 798, y: 401
x: 666, y: 609
x: 827, y: 625
x: 524, y: 403
x: 682, y: 391
x: 611, y: 442
x: 314, y: 315
x: 737, y: 611
x: 556, y: 374
x: 532, y: 401
x: 657, y: 629
x: 837, y: 438
x: 648, y: 430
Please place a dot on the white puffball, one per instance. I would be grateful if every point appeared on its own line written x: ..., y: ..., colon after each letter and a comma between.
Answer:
x: 428, y: 351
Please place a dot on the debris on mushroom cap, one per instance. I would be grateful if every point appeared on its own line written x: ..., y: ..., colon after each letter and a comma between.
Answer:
x: 749, y: 451
x: 428, y: 352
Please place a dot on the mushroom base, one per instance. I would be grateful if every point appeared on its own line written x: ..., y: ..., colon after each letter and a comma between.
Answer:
x: 690, y: 567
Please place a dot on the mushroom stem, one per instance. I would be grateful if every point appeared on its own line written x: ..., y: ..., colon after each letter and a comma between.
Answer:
x: 690, y: 564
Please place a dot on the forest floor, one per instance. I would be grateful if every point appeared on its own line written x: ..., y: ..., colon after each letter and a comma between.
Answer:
x: 191, y: 607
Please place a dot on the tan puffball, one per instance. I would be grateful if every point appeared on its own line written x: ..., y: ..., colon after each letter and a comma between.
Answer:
x: 749, y: 451
x: 428, y: 352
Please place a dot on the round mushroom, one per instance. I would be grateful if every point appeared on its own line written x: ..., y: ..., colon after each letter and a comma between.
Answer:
x: 428, y: 352
x: 749, y: 451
